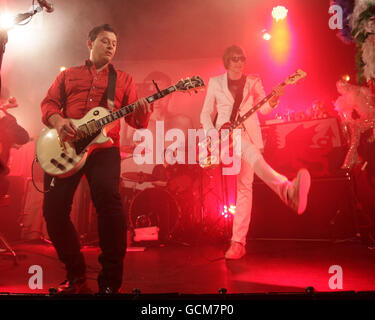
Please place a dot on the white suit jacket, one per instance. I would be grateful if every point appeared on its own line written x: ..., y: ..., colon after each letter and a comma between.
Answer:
x: 219, y: 95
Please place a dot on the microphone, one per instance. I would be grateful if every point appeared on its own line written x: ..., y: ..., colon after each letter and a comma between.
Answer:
x: 48, y: 6
x: 23, y: 16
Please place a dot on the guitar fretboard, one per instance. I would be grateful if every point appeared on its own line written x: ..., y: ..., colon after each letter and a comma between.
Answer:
x: 124, y: 111
x: 240, y: 120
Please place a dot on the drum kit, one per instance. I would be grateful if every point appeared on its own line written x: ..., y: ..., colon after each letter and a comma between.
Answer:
x: 178, y: 203
x: 171, y: 202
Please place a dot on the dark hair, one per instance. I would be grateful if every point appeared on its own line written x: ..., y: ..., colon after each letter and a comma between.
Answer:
x: 229, y: 52
x: 158, y: 75
x: 93, y: 34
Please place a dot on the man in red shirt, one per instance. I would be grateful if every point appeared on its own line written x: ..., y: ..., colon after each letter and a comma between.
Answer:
x: 74, y: 92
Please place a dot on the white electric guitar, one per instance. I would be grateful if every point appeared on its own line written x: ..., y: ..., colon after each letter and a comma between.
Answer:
x: 64, y: 158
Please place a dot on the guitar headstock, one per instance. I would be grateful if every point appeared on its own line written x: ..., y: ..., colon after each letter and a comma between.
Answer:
x: 295, y: 77
x: 189, y: 84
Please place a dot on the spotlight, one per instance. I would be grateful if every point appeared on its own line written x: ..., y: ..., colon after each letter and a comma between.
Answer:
x: 6, y: 21
x: 279, y: 13
x: 267, y: 36
x: 62, y: 68
x: 228, y: 211
x: 225, y: 210
x: 232, y: 209
x: 346, y: 77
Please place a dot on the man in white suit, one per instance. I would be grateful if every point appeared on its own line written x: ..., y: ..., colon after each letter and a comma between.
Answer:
x: 222, y: 91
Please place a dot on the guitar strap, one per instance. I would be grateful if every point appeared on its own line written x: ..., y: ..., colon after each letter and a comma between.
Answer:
x: 111, y: 89
x: 238, y: 99
x: 63, y: 95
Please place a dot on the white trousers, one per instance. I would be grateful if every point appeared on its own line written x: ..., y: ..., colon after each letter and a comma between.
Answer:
x: 253, y: 161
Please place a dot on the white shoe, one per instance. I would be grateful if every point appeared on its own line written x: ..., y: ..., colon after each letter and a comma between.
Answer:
x: 236, y: 251
x: 298, y: 191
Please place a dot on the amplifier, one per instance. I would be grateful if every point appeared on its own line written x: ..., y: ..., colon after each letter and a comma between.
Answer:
x: 329, y: 213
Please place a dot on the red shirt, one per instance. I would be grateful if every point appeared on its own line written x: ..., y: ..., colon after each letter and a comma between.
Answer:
x: 86, y: 89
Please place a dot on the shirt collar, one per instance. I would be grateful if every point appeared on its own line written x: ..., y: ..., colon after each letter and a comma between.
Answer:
x: 90, y: 65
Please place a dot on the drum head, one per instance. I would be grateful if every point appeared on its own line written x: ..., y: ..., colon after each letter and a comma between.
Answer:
x: 155, y: 207
x: 181, y: 179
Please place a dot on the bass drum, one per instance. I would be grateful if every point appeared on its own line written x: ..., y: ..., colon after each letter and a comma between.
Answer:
x: 155, y: 207
x: 180, y: 179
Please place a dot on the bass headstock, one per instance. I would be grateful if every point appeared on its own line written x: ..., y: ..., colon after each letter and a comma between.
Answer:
x: 295, y: 77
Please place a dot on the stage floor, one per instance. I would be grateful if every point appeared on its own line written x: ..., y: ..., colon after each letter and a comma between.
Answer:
x: 269, y: 266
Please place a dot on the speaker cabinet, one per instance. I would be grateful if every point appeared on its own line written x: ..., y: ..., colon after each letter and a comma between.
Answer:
x: 329, y: 214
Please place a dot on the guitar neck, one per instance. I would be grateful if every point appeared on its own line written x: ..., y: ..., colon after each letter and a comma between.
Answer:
x: 124, y: 111
x: 260, y: 104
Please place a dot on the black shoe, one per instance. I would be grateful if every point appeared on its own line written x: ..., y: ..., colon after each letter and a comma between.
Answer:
x: 108, y: 290
x: 78, y: 286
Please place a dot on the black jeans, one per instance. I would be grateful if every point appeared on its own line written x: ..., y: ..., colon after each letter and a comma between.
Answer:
x: 102, y: 170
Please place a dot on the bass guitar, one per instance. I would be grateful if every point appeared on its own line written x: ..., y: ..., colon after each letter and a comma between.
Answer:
x: 208, y: 149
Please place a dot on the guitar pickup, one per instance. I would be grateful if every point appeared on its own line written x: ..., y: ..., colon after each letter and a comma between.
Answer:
x: 58, y: 164
x: 70, y: 160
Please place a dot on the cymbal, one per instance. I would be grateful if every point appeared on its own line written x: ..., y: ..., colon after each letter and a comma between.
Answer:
x: 139, y: 176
